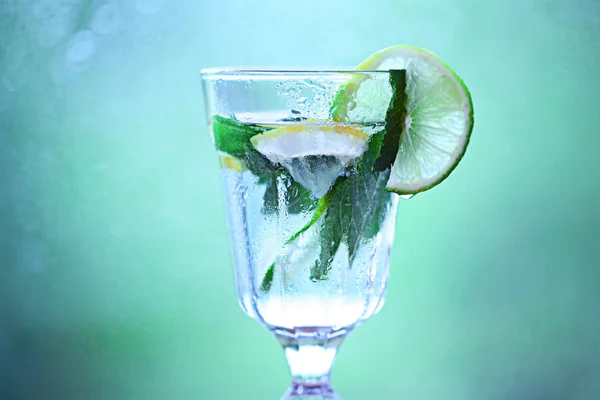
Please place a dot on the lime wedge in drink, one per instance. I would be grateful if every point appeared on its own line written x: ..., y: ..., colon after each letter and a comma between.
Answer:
x: 315, y: 156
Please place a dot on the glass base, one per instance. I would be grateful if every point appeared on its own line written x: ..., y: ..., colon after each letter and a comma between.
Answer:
x: 310, y: 352
x: 301, y: 392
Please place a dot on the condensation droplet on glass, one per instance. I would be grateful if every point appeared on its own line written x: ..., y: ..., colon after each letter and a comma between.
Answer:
x: 302, y: 101
x: 106, y: 19
x: 407, y: 196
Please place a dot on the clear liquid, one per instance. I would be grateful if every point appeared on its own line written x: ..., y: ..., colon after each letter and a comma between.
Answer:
x: 352, y: 292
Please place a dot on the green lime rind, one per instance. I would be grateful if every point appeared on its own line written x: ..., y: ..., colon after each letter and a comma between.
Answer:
x: 458, y: 134
x: 468, y: 131
x: 395, y: 120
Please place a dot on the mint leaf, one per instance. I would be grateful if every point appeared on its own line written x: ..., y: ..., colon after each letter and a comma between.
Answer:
x: 258, y: 164
x: 370, y: 203
x: 359, y: 206
x: 356, y: 209
x: 271, y: 197
x: 233, y: 138
x: 322, y: 205
x: 356, y: 204
x: 394, y: 121
x: 267, y: 281
x: 333, y: 228
x: 296, y: 197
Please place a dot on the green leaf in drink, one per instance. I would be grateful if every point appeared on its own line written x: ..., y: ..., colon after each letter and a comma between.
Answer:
x: 233, y: 138
x: 296, y: 197
x: 355, y: 205
x: 394, y: 121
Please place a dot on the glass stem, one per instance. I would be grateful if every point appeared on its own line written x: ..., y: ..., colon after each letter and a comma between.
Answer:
x: 310, y: 353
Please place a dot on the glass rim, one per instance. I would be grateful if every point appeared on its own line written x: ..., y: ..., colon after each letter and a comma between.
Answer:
x: 234, y: 71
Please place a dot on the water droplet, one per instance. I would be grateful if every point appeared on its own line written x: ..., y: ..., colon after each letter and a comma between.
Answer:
x: 302, y: 101
x: 320, y: 99
x: 106, y: 19
x: 407, y: 196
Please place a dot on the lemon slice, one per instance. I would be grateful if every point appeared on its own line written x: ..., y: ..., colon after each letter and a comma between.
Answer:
x: 315, y: 156
x: 229, y: 162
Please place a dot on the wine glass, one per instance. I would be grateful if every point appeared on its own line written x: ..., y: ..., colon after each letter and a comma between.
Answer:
x: 311, y: 224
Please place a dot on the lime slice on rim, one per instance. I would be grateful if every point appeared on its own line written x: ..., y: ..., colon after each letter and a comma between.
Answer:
x: 315, y: 156
x: 439, y: 117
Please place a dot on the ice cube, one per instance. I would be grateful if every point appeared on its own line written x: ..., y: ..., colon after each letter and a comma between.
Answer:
x: 315, y: 172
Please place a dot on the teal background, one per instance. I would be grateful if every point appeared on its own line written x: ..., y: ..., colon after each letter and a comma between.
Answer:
x: 115, y: 275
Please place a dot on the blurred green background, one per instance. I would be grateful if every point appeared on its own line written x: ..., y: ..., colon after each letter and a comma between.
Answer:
x: 115, y: 275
